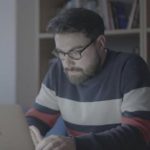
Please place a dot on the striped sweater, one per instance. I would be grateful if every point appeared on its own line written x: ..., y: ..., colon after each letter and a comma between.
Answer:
x: 109, y: 111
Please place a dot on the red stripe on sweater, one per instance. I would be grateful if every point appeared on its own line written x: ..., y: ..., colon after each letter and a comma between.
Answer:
x: 75, y: 133
x: 49, y: 119
x: 142, y: 124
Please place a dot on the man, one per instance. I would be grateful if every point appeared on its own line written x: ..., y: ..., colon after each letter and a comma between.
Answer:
x: 102, y: 96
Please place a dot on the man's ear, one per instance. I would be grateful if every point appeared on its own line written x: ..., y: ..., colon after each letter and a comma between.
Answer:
x: 100, y: 41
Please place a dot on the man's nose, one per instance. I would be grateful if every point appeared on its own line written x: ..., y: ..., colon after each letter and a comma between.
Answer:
x: 68, y: 61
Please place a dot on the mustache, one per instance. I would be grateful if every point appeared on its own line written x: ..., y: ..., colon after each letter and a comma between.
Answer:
x: 73, y: 69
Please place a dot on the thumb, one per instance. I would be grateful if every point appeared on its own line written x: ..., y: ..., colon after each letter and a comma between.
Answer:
x: 35, y: 135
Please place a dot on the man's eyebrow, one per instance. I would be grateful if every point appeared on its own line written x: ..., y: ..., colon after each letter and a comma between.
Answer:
x: 57, y: 49
x: 71, y: 48
x: 76, y: 47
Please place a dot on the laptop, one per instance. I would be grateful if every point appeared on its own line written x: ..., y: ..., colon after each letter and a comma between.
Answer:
x: 14, y: 131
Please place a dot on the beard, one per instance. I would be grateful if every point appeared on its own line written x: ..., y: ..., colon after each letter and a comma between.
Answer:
x: 77, y: 75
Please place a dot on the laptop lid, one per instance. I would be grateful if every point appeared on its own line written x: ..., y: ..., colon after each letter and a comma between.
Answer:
x: 14, y: 131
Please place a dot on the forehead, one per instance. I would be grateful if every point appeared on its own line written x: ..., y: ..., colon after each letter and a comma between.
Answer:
x: 66, y: 41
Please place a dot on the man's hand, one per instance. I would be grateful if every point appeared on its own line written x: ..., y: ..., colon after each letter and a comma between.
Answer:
x: 56, y: 143
x: 35, y: 135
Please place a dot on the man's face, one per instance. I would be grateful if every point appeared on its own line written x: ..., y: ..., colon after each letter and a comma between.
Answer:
x: 77, y: 70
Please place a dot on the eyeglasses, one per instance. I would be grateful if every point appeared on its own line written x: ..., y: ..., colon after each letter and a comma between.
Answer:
x: 73, y: 54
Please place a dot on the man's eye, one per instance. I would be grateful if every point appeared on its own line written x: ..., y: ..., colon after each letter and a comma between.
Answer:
x: 75, y: 52
x: 60, y: 52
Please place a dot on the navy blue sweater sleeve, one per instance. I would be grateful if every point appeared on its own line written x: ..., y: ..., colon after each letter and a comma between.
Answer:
x: 121, y: 138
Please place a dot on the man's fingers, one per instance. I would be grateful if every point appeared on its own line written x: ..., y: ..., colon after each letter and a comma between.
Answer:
x: 35, y: 134
x: 49, y: 143
x: 56, y: 143
x: 34, y: 139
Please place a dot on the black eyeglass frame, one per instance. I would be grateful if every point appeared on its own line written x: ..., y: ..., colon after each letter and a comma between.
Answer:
x: 57, y: 52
